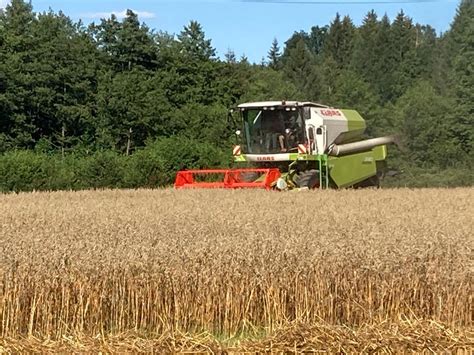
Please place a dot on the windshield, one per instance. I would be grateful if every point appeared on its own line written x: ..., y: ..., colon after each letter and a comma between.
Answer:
x: 270, y: 131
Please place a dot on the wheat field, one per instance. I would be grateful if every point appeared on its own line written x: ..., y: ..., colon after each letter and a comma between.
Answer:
x: 230, y: 271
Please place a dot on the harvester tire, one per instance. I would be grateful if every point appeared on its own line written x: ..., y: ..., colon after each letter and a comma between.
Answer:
x: 308, y: 179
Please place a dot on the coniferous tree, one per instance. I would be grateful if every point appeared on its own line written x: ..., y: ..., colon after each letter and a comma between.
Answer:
x: 66, y: 81
x: 136, y: 44
x: 403, y: 44
x: 420, y: 118
x: 132, y: 107
x: 18, y: 117
x: 385, y: 65
x: 340, y: 40
x: 403, y: 36
x: 425, y: 44
x: 274, y: 55
x: 266, y: 84
x: 440, y: 71
x: 291, y: 43
x: 365, y: 53
x: 167, y: 49
x: 106, y: 35
x: 299, y: 67
x: 126, y: 44
x: 244, y: 60
x: 462, y: 49
x: 194, y: 43
x: 350, y: 90
x: 193, y: 68
x: 317, y: 38
x: 230, y: 57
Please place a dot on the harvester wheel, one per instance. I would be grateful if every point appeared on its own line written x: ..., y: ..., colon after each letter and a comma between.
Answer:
x: 309, y: 179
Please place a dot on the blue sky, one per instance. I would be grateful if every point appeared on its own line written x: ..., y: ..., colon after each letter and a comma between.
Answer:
x: 249, y: 27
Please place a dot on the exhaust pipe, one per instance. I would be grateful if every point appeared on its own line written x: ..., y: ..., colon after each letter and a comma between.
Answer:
x: 349, y: 148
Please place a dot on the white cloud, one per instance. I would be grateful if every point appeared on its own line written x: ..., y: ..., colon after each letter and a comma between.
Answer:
x: 3, y: 3
x: 119, y: 14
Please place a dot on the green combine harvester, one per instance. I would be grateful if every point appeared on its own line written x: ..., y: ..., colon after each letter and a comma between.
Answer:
x: 288, y: 144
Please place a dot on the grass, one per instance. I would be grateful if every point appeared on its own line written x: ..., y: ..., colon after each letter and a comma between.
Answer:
x: 164, y: 270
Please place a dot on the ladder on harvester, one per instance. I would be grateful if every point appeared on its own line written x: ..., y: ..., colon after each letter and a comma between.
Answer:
x: 323, y: 165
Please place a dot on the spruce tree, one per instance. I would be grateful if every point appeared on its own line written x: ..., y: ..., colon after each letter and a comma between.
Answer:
x: 194, y: 43
x: 136, y: 46
x: 365, y: 58
x: 317, y: 38
x: 274, y: 55
x: 403, y: 45
x: 462, y: 46
x: 230, y: 57
x: 385, y: 64
x: 301, y: 69
x: 65, y: 81
x: 340, y: 40
x: 126, y: 44
x: 292, y: 42
x: 17, y: 126
x: 419, y: 116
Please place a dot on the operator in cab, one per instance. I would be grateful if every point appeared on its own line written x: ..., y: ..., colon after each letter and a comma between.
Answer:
x: 293, y: 131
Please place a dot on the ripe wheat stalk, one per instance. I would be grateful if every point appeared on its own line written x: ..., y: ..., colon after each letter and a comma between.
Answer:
x: 385, y: 270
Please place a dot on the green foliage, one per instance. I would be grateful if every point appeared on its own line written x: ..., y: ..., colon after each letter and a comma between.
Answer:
x: 268, y: 84
x: 29, y: 171
x: 132, y: 107
x: 350, y: 90
x: 203, y: 123
x: 154, y: 166
x: 178, y: 153
x: 24, y: 171
x: 365, y: 56
x: 299, y: 67
x: 101, y: 170
x: 127, y: 44
x: 339, y: 42
x: 462, y: 42
x: 193, y: 42
x: 423, y: 118
x: 274, y: 55
x: 146, y: 168
x: 416, y: 177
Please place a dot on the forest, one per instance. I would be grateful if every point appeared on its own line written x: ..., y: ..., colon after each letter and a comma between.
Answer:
x: 118, y: 104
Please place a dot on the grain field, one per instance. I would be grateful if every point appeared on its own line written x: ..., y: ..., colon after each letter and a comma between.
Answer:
x: 230, y: 271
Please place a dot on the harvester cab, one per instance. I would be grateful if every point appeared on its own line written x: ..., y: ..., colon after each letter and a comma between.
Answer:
x: 271, y: 131
x: 290, y: 144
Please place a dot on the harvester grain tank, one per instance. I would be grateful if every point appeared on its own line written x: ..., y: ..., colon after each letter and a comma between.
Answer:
x: 292, y: 144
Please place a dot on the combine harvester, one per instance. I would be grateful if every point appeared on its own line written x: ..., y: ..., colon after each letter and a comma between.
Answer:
x: 293, y: 144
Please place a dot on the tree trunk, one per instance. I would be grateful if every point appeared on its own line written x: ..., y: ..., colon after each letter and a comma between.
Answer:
x: 63, y: 138
x: 129, y: 139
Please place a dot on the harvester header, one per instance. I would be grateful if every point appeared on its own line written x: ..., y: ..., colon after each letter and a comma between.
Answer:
x: 311, y: 146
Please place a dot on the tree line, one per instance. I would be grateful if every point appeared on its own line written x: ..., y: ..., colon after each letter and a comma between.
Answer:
x: 117, y: 86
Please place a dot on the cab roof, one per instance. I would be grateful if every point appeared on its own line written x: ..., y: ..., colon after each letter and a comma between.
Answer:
x: 261, y: 104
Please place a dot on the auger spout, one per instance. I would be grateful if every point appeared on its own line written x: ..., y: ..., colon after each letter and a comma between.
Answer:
x: 349, y: 148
